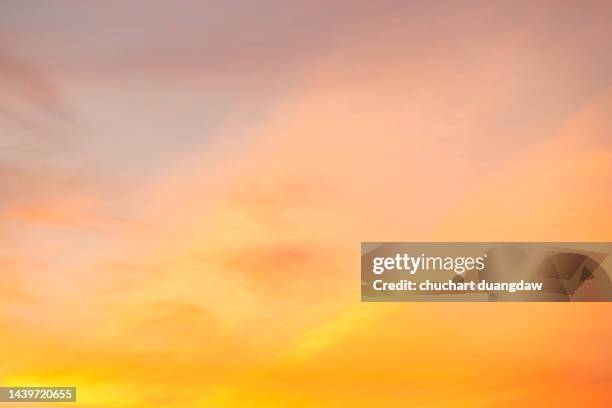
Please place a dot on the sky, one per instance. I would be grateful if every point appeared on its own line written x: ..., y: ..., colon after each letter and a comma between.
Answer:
x: 184, y: 187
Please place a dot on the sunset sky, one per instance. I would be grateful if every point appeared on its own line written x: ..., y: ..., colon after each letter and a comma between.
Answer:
x: 185, y: 185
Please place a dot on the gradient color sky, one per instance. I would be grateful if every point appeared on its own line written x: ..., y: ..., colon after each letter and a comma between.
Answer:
x: 185, y: 186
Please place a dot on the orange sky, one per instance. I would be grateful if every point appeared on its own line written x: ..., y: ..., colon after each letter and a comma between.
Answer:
x: 185, y: 187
